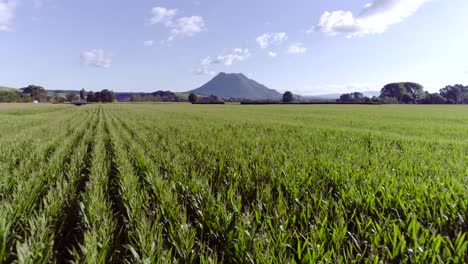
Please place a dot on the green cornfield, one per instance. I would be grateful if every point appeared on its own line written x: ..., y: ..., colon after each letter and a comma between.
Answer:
x: 181, y: 183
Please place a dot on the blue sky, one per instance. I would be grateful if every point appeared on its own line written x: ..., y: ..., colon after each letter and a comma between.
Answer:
x: 309, y: 47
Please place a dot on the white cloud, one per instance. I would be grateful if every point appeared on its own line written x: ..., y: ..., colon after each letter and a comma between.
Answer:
x: 374, y: 18
x: 297, y: 48
x: 204, y: 71
x: 236, y: 55
x: 149, y: 43
x: 268, y: 39
x: 162, y: 15
x: 182, y: 27
x: 98, y: 58
x: 272, y: 54
x: 187, y: 27
x: 228, y: 59
x: 7, y: 9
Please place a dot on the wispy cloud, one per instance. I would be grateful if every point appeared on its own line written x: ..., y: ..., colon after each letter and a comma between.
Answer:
x: 236, y: 55
x: 162, y: 15
x: 182, y: 27
x: 204, y: 71
x: 187, y: 27
x: 97, y: 58
x: 7, y: 9
x: 268, y: 39
x: 296, y: 48
x: 374, y: 18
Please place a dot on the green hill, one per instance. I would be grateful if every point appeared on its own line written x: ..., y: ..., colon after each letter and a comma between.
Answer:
x: 3, y: 88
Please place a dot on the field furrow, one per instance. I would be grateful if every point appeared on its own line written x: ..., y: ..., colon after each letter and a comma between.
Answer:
x: 99, y: 228
x: 56, y: 224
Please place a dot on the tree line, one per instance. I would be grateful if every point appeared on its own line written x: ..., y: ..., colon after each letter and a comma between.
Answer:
x: 28, y: 95
x: 104, y: 96
x: 158, y: 96
x: 37, y: 93
x: 411, y: 93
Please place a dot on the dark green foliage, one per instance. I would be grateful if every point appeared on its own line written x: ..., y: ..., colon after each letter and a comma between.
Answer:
x: 455, y: 94
x: 107, y: 96
x: 192, y: 98
x: 145, y: 98
x: 91, y: 97
x: 287, y: 97
x: 434, y: 98
x: 104, y: 96
x: 355, y: 97
x: 212, y: 99
x: 166, y: 96
x: 82, y: 94
x: 26, y: 98
x: 9, y: 97
x: 404, y: 92
x: 37, y: 92
x: 71, y: 97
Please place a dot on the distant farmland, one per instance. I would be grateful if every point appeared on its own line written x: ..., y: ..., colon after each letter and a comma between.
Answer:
x: 149, y: 183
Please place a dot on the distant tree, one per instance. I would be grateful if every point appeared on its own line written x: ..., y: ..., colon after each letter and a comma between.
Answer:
x: 388, y: 100
x: 434, y: 98
x: 166, y: 96
x: 91, y: 97
x: 455, y: 94
x: 404, y: 92
x: 107, y: 96
x: 57, y: 99
x: 407, y: 99
x: 287, y: 97
x: 135, y: 98
x: 97, y: 97
x: 375, y: 99
x: 26, y: 98
x: 392, y: 90
x: 36, y: 92
x: 355, y: 97
x: 212, y: 99
x: 82, y: 94
x: 71, y: 97
x: 415, y: 90
x: 9, y: 97
x: 193, y: 98
x: 346, y: 98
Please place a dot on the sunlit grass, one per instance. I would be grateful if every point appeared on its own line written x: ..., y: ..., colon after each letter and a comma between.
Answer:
x: 188, y: 183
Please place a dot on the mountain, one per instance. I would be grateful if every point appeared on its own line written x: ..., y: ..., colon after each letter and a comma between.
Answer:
x: 236, y: 85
